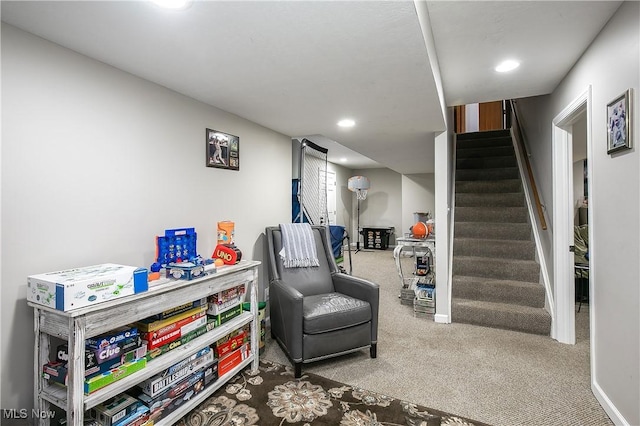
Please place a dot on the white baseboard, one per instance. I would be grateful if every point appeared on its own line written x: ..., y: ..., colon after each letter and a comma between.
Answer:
x: 607, y: 405
x: 442, y: 319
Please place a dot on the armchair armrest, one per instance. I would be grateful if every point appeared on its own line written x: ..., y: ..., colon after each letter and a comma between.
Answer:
x: 360, y: 289
x: 356, y: 287
x: 286, y: 317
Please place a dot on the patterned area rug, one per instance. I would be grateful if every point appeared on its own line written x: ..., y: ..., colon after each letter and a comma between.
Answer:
x: 271, y: 396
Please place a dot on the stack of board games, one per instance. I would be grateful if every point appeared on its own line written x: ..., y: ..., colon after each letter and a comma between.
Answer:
x: 424, y: 304
x: 233, y: 359
x: 226, y: 304
x: 108, y: 358
x: 125, y: 350
x: 167, y: 390
x: 233, y: 348
x: 407, y: 292
x: 121, y: 410
x: 175, y: 327
x: 162, y: 329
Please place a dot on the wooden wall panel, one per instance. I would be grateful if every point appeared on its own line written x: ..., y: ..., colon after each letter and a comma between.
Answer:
x: 491, y: 116
x: 460, y: 117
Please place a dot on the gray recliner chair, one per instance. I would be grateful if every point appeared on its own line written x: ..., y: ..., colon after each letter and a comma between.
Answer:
x: 319, y: 312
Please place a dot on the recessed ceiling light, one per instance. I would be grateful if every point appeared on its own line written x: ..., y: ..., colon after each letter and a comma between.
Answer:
x: 508, y: 65
x: 343, y: 160
x: 347, y: 122
x: 172, y: 4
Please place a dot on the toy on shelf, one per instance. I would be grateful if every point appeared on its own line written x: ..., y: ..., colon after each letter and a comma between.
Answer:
x: 154, y: 271
x: 419, y: 230
x: 423, y: 226
x: 229, y: 254
x: 188, y: 270
x: 422, y: 230
x: 226, y: 232
x: 176, y: 254
x: 423, y: 263
x: 177, y: 245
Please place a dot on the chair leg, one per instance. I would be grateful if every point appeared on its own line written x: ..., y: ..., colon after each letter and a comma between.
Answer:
x: 298, y: 369
x: 373, y: 350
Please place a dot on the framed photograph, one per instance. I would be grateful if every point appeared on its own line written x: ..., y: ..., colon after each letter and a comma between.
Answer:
x: 619, y: 123
x: 223, y: 150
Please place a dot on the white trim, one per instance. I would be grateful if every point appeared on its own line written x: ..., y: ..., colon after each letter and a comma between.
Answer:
x: 593, y: 303
x: 544, y: 270
x: 563, y: 217
x: 608, y: 406
x: 452, y: 217
x: 564, y: 293
x: 442, y: 319
x: 444, y: 228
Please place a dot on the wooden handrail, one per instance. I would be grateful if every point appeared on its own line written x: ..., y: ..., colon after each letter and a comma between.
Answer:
x: 515, y: 123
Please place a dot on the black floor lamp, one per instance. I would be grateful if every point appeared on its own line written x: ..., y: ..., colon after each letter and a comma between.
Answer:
x: 360, y: 185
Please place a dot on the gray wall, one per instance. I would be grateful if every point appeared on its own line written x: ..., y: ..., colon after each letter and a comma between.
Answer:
x: 96, y: 163
x: 383, y: 205
x: 418, y: 195
x: 610, y: 66
x: 345, y: 199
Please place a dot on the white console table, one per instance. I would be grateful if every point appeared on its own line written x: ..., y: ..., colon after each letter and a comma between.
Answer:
x: 77, y: 325
x: 416, y: 245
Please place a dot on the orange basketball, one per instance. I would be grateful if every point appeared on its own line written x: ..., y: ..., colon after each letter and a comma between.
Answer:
x: 419, y: 230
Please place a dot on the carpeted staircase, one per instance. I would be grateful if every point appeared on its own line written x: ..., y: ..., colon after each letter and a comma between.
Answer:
x: 496, y: 279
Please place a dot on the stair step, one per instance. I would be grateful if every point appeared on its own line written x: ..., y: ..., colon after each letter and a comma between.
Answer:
x: 502, y: 269
x: 495, y: 231
x: 484, y: 142
x: 500, y: 291
x: 491, y: 214
x: 486, y: 162
x: 500, y: 315
x: 491, y: 151
x: 488, y: 186
x: 506, y: 249
x: 500, y: 199
x: 488, y: 174
x: 486, y: 134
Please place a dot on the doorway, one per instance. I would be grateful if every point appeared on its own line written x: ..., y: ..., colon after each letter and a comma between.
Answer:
x: 580, y: 203
x: 480, y: 117
x: 573, y: 120
x: 332, y: 209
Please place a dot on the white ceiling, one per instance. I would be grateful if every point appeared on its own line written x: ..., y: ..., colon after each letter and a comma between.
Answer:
x: 298, y: 67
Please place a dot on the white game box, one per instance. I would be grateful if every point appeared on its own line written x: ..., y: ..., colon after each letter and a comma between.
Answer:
x: 79, y: 287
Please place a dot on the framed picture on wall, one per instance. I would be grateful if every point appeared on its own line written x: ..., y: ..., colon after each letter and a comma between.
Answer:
x: 619, y: 123
x: 223, y: 150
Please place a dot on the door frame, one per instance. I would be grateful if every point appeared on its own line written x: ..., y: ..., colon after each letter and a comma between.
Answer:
x: 332, y: 198
x: 563, y: 271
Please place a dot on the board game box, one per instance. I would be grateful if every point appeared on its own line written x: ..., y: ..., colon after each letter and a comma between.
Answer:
x: 79, y: 287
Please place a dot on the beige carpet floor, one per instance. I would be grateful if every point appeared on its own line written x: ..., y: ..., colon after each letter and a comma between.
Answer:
x: 493, y: 376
